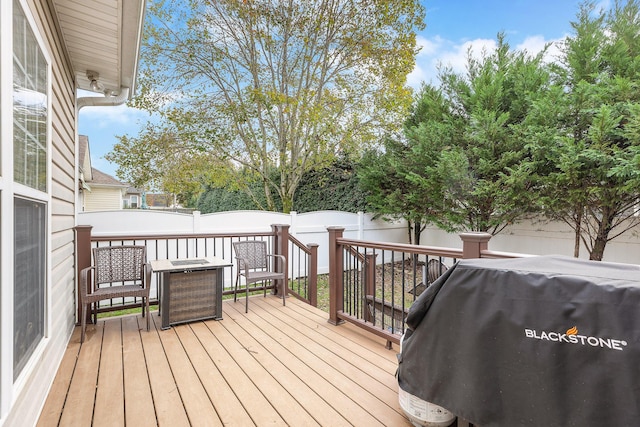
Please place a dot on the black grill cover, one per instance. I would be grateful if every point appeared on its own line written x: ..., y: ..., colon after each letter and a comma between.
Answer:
x: 540, y: 341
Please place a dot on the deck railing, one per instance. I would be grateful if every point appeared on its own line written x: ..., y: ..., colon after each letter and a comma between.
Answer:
x: 301, y: 260
x: 373, y: 284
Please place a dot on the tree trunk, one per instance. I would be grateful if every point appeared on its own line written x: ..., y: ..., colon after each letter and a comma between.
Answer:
x: 287, y: 204
x: 598, y: 249
x: 417, y: 230
x: 577, y: 227
x: 604, y: 228
x: 410, y: 231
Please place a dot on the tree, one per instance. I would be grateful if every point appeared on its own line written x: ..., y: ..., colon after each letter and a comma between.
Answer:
x: 587, y: 157
x: 401, y: 179
x: 334, y: 187
x: 161, y: 161
x: 270, y: 85
x: 466, y: 134
x: 383, y: 175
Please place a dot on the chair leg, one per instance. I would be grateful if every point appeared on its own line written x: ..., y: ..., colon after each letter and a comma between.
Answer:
x: 284, y: 293
x: 83, y: 321
x: 146, y: 307
x: 246, y: 304
x: 235, y: 289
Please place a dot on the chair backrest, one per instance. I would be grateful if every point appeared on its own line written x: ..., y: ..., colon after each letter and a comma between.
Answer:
x: 435, y: 269
x: 253, y: 252
x: 119, y: 263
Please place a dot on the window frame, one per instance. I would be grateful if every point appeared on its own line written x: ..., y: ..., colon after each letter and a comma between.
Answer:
x: 11, y: 190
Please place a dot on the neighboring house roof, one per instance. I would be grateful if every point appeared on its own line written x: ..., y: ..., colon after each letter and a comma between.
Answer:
x: 103, y: 179
x: 134, y: 190
x: 102, y: 36
x: 84, y: 158
x: 90, y: 176
x: 84, y: 147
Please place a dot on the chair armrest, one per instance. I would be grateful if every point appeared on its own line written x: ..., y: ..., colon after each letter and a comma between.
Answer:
x: 242, y: 265
x: 147, y: 275
x: 85, y: 278
x: 283, y: 260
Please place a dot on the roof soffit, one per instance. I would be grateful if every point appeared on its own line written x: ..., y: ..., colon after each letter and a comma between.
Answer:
x: 102, y: 36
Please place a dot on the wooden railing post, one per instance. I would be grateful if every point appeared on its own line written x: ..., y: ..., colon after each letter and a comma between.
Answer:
x: 83, y: 260
x: 312, y: 291
x: 474, y: 243
x: 336, y: 266
x: 369, y: 283
x: 281, y: 247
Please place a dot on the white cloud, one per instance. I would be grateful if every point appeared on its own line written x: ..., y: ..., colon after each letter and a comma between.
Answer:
x: 440, y: 52
x: 428, y: 47
x: 533, y: 45
x: 107, y: 117
x: 457, y: 59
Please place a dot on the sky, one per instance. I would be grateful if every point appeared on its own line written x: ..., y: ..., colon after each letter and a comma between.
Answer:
x: 452, y: 26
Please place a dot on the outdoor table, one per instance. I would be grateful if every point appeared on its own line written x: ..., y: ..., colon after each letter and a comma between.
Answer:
x: 190, y: 289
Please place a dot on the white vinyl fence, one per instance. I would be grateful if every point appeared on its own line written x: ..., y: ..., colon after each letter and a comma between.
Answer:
x: 307, y: 227
x: 529, y: 237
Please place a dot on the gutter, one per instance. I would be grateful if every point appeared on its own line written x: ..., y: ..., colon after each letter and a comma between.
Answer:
x: 104, y: 101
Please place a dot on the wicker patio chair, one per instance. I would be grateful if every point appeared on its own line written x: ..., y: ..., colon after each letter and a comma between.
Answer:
x: 254, y: 264
x: 435, y: 268
x: 124, y: 269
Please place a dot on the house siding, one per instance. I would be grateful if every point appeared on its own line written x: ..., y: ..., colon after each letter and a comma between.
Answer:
x: 102, y: 199
x: 23, y: 405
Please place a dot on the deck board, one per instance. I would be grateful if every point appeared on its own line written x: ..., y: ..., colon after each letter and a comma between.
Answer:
x: 276, y: 365
x: 226, y: 403
x: 243, y: 350
x: 82, y: 388
x: 52, y: 410
x: 271, y: 356
x: 109, y: 405
x: 250, y: 397
x: 313, y: 370
x: 167, y: 401
x: 196, y: 401
x: 322, y: 346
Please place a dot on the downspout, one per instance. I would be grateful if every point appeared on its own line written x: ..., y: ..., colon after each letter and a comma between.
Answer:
x: 104, y: 101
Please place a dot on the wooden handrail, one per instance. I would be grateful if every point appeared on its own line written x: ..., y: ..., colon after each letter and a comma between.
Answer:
x: 403, y: 247
x: 128, y: 237
x: 474, y: 245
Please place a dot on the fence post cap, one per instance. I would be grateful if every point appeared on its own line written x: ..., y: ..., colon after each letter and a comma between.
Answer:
x: 475, y: 236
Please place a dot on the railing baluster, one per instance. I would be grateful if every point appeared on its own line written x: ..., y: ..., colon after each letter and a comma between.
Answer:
x: 383, y: 306
x: 184, y: 246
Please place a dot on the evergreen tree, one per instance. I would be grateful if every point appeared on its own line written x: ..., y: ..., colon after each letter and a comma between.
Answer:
x: 584, y: 135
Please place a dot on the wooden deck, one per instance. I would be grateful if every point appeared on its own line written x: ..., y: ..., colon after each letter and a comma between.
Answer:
x: 273, y: 366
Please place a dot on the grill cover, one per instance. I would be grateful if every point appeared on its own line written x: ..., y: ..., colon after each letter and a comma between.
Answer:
x: 540, y: 341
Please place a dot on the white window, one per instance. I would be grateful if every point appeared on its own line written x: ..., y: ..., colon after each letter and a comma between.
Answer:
x: 30, y: 82
x: 29, y: 279
x: 30, y: 200
x: 133, y: 201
